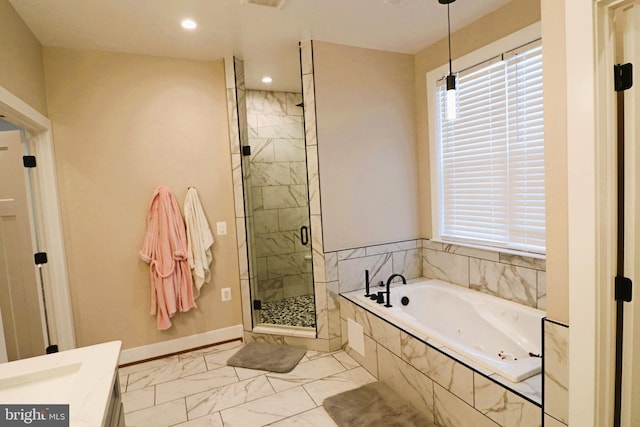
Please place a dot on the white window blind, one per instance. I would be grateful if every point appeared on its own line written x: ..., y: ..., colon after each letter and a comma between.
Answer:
x: 491, y: 157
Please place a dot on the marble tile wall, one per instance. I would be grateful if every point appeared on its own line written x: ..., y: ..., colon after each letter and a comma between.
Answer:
x: 236, y: 107
x: 556, y: 373
x: 516, y: 278
x: 347, y: 267
x: 278, y: 185
x: 443, y: 389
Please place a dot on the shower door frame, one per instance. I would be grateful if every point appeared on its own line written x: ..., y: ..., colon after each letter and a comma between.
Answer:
x: 48, y: 219
x: 250, y: 211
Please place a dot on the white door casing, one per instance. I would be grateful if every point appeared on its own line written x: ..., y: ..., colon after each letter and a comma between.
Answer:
x: 630, y: 39
x: 47, y: 217
x: 590, y: 29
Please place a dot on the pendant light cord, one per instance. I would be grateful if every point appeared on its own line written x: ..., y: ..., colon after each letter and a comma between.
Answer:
x: 449, y: 34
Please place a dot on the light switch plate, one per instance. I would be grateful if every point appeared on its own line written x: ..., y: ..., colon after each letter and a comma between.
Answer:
x: 221, y: 228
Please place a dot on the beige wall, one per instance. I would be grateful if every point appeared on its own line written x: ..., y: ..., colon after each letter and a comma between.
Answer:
x: 366, y: 145
x: 555, y: 135
x: 21, y: 64
x: 124, y: 124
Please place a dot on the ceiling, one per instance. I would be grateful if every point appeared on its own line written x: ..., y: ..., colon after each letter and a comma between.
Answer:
x: 265, y: 38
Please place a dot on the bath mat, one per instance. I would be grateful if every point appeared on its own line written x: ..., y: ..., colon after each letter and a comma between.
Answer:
x: 267, y: 357
x: 373, y: 404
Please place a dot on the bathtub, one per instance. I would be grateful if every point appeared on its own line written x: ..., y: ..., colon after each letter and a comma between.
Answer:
x: 498, y: 335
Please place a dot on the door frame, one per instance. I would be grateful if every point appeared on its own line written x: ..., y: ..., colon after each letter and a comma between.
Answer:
x: 591, y: 164
x: 48, y: 219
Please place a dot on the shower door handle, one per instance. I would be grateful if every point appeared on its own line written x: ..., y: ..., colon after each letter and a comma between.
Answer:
x: 304, y: 235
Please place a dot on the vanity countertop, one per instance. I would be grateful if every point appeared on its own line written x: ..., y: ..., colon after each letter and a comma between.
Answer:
x: 83, y: 378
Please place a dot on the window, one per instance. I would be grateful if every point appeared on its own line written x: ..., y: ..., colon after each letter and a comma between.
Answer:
x: 490, y: 159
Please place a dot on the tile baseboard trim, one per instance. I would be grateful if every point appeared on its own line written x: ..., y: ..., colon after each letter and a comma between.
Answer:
x: 136, y: 354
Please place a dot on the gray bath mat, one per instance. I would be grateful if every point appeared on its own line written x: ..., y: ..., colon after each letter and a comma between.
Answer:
x: 373, y: 404
x: 267, y: 357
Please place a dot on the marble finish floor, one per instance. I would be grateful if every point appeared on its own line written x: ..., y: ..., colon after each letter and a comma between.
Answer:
x: 199, y: 389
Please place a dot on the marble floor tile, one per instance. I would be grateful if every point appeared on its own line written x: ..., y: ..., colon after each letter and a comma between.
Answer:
x: 334, y: 384
x: 346, y: 360
x: 268, y: 409
x: 207, y: 351
x: 305, y: 373
x: 312, y: 418
x: 211, y: 420
x: 199, y: 389
x: 144, y: 366
x: 193, y: 384
x: 166, y: 414
x: 219, y: 358
x: 246, y: 373
x: 138, y: 399
x: 167, y: 372
x: 228, y: 396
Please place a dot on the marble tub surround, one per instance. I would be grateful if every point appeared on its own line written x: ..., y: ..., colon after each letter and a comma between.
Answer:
x: 512, y: 277
x: 348, y: 266
x: 220, y: 395
x: 443, y: 385
x: 556, y: 371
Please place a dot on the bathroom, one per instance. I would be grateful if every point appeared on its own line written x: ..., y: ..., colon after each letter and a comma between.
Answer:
x: 131, y: 134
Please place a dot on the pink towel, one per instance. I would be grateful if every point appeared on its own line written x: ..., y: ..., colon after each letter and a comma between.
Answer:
x: 165, y: 250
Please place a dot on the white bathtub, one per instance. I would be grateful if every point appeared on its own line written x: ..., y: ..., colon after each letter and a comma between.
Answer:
x: 497, y: 334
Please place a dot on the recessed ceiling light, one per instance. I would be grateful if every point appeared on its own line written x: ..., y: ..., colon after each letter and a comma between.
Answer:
x: 267, y: 79
x: 188, y: 24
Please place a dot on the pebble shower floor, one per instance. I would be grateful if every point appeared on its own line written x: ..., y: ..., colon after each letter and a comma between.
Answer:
x: 293, y: 311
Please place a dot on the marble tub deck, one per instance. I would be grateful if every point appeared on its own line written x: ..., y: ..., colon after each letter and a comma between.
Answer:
x: 199, y: 389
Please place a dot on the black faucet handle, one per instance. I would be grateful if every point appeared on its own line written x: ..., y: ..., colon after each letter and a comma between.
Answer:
x: 380, y: 297
x: 366, y: 283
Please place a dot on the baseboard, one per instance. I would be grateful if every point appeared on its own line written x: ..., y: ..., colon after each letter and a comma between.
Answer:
x: 150, y: 351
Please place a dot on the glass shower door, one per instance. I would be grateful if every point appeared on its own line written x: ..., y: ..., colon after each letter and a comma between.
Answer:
x: 278, y: 219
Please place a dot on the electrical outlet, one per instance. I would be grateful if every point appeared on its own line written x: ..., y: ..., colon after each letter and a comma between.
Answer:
x: 221, y: 228
x: 225, y: 294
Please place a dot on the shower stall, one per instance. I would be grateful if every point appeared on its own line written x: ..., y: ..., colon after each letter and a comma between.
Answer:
x: 275, y: 193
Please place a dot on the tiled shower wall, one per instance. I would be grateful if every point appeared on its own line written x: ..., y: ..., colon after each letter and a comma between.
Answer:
x: 278, y: 179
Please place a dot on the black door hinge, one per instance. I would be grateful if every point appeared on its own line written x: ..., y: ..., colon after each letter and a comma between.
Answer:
x: 623, y: 289
x: 40, y: 258
x: 29, y: 161
x: 246, y: 150
x: 622, y: 76
x: 257, y: 304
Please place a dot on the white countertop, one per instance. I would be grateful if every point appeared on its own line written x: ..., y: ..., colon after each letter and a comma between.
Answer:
x: 83, y: 378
